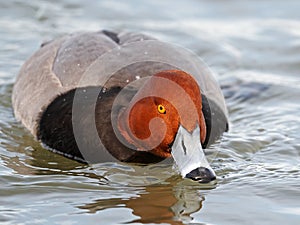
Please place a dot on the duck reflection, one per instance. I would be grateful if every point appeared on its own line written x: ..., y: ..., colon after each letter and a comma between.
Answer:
x: 172, y: 203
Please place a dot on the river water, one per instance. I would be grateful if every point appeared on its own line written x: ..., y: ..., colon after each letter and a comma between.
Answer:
x: 254, y: 49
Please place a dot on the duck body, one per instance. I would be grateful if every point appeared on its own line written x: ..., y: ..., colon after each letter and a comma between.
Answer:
x: 56, y: 92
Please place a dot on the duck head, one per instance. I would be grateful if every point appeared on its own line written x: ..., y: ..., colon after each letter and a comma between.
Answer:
x: 165, y: 118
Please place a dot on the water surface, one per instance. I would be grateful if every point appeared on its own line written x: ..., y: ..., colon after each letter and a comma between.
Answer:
x: 254, y: 49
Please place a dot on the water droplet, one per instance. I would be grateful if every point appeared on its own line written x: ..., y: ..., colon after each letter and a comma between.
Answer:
x: 146, y: 53
x: 137, y: 77
x: 127, y: 81
x: 84, y: 90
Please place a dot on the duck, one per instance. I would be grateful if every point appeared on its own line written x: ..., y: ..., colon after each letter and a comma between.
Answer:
x: 127, y: 97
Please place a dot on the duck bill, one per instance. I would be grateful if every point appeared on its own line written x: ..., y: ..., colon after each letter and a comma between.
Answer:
x: 189, y: 156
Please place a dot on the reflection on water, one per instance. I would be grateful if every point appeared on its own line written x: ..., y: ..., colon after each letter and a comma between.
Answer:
x: 253, y: 46
x: 157, y: 204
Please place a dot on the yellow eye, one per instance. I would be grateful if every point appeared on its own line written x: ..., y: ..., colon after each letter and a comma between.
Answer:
x: 161, y: 109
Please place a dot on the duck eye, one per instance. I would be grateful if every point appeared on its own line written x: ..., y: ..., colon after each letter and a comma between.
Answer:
x: 161, y: 109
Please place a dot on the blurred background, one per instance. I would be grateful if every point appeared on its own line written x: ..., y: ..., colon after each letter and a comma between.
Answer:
x: 254, y: 49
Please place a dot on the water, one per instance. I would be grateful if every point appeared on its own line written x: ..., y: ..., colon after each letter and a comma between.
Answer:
x: 253, y: 46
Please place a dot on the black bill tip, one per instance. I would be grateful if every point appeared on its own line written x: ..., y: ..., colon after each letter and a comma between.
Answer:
x: 201, y: 175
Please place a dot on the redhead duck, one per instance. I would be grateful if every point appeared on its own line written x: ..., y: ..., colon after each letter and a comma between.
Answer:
x: 106, y: 96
